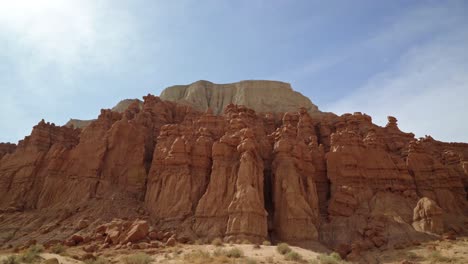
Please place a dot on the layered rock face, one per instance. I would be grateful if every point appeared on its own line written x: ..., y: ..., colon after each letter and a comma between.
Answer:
x: 261, y: 96
x: 233, y: 203
x: 6, y: 148
x: 239, y: 174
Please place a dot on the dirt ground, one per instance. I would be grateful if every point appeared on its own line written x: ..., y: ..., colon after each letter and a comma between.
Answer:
x: 446, y: 251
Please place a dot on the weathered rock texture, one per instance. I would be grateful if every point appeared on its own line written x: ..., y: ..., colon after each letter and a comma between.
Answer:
x: 120, y: 107
x: 428, y: 216
x: 237, y: 174
x: 261, y: 96
x: 6, y: 148
x: 78, y: 123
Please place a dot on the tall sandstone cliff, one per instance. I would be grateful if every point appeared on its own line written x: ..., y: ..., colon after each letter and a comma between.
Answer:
x: 284, y: 173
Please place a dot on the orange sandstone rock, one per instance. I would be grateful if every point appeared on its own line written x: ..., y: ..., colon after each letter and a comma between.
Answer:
x: 302, y: 176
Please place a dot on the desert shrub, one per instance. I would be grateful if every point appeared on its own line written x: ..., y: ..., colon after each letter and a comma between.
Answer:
x: 293, y: 256
x: 266, y: 243
x: 234, y: 253
x: 231, y: 253
x: 313, y: 261
x: 139, y: 258
x: 256, y: 246
x: 96, y: 261
x: 246, y: 241
x: 217, y: 242
x: 198, y: 256
x: 36, y: 249
x: 31, y: 254
x: 58, y: 249
x: 283, y: 248
x: 11, y: 260
x: 333, y: 258
x: 436, y: 257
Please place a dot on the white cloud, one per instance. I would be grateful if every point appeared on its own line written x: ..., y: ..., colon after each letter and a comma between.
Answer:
x: 66, y: 35
x: 46, y: 49
x: 426, y: 91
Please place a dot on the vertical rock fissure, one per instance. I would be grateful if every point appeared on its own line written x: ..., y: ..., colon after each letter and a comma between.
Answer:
x: 268, y: 198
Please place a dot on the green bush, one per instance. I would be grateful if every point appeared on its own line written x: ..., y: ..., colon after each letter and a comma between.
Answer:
x: 333, y: 258
x: 139, y: 258
x: 293, y: 256
x: 283, y: 248
x: 266, y: 243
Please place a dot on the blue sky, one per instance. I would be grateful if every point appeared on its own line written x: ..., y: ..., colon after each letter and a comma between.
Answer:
x: 63, y: 59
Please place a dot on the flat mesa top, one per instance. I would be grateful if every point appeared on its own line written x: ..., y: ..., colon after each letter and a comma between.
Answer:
x: 259, y: 95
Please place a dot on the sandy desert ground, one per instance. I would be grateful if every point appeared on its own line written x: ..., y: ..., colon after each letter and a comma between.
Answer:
x: 446, y: 251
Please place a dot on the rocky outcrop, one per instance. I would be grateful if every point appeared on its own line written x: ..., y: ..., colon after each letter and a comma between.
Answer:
x: 261, y: 96
x: 6, y: 148
x: 77, y: 123
x: 297, y: 176
x: 233, y: 204
x: 120, y: 108
x: 295, y: 196
x: 124, y: 104
x: 428, y: 216
x: 23, y: 172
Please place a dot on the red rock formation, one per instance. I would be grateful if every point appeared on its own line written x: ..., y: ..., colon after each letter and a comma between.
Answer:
x: 441, y: 183
x: 295, y: 196
x: 22, y: 173
x: 247, y: 214
x: 233, y: 204
x: 6, y: 148
x: 293, y: 177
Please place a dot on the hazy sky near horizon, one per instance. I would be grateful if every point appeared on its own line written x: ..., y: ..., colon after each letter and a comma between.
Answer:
x: 62, y: 59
